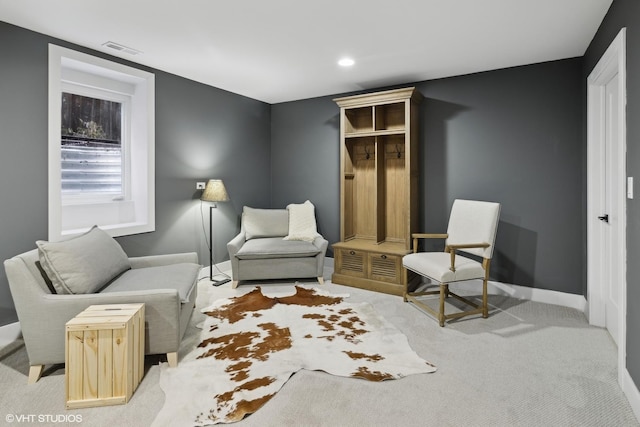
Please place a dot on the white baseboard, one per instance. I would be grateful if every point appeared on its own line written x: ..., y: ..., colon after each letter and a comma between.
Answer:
x: 9, y: 334
x: 546, y: 296
x: 224, y: 267
x: 579, y: 302
x: 631, y: 391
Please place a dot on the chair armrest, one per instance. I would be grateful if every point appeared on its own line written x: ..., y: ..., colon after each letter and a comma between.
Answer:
x: 321, y: 243
x: 233, y: 247
x: 429, y: 235
x: 158, y: 260
x: 468, y: 245
x: 417, y: 236
x: 452, y: 250
x: 235, y: 244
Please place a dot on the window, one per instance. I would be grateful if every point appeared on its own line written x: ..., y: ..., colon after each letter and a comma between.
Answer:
x: 91, y: 144
x: 101, y: 146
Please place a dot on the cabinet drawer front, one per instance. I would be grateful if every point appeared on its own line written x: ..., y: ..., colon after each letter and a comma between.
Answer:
x: 352, y: 262
x: 386, y: 268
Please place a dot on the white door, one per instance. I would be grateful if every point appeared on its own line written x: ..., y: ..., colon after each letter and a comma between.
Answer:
x: 606, y: 201
x: 613, y: 180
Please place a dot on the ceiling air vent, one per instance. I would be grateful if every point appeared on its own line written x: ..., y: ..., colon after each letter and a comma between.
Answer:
x: 121, y: 48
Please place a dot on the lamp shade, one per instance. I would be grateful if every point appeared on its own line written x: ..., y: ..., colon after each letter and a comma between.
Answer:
x: 215, y: 191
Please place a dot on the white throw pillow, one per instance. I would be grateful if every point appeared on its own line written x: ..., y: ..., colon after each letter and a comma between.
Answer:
x: 302, y: 222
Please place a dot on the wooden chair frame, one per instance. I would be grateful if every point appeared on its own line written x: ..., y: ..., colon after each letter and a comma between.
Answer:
x: 444, y: 292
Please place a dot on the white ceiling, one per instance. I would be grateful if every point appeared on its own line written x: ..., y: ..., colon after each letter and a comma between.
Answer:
x: 283, y: 50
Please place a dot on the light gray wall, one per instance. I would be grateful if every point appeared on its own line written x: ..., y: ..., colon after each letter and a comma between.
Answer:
x: 626, y: 13
x: 201, y: 132
x: 513, y: 136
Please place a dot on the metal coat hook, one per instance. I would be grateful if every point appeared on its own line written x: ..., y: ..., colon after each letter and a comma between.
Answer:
x: 366, y: 151
x: 398, y: 151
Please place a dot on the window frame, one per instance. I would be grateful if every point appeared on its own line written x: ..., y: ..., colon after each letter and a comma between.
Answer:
x: 134, y: 212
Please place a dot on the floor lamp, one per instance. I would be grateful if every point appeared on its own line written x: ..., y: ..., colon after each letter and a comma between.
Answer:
x: 214, y: 192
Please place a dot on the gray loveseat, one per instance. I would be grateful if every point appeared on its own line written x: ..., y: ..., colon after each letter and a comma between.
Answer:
x: 267, y: 248
x: 52, y: 284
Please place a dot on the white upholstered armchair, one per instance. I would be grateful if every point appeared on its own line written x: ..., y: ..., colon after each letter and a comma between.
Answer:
x: 470, y: 234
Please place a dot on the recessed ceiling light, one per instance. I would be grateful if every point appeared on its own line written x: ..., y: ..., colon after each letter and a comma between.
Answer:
x: 346, y: 62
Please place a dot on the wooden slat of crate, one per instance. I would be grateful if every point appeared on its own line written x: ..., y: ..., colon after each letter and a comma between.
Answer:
x: 119, y: 362
x: 104, y: 355
x: 74, y: 350
x: 138, y: 341
x: 105, y: 367
x: 90, y: 364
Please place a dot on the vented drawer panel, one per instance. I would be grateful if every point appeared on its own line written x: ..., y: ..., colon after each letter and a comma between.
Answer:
x: 384, y: 267
x: 351, y: 262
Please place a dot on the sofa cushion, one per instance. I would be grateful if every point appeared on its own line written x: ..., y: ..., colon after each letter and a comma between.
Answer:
x: 83, y: 264
x: 276, y: 247
x: 302, y: 222
x: 182, y: 277
x: 259, y: 223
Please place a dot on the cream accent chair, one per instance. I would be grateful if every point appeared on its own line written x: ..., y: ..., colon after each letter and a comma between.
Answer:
x: 471, y: 231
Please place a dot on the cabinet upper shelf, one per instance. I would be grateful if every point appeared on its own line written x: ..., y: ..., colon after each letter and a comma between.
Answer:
x: 362, y: 134
x: 383, y: 114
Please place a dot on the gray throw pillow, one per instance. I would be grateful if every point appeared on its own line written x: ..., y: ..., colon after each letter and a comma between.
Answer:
x: 83, y: 264
x: 259, y: 223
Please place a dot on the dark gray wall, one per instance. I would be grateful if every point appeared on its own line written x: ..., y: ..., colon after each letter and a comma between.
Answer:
x: 305, y: 159
x: 201, y: 132
x: 512, y: 136
x: 23, y: 138
x: 626, y: 13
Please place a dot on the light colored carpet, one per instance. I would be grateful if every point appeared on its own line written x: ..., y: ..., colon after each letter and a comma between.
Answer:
x: 528, y: 364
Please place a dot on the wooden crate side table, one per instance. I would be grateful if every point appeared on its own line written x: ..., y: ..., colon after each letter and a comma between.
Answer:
x: 104, y: 355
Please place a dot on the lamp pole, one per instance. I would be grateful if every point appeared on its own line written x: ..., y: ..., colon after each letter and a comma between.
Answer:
x: 221, y: 281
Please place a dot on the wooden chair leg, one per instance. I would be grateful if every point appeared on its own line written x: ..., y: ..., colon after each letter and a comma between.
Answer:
x: 485, y: 308
x: 443, y: 290
x: 172, y: 358
x: 321, y: 280
x: 35, y: 371
x: 234, y: 284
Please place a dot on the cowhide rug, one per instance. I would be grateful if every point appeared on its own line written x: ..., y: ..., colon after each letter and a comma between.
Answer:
x: 252, y: 344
